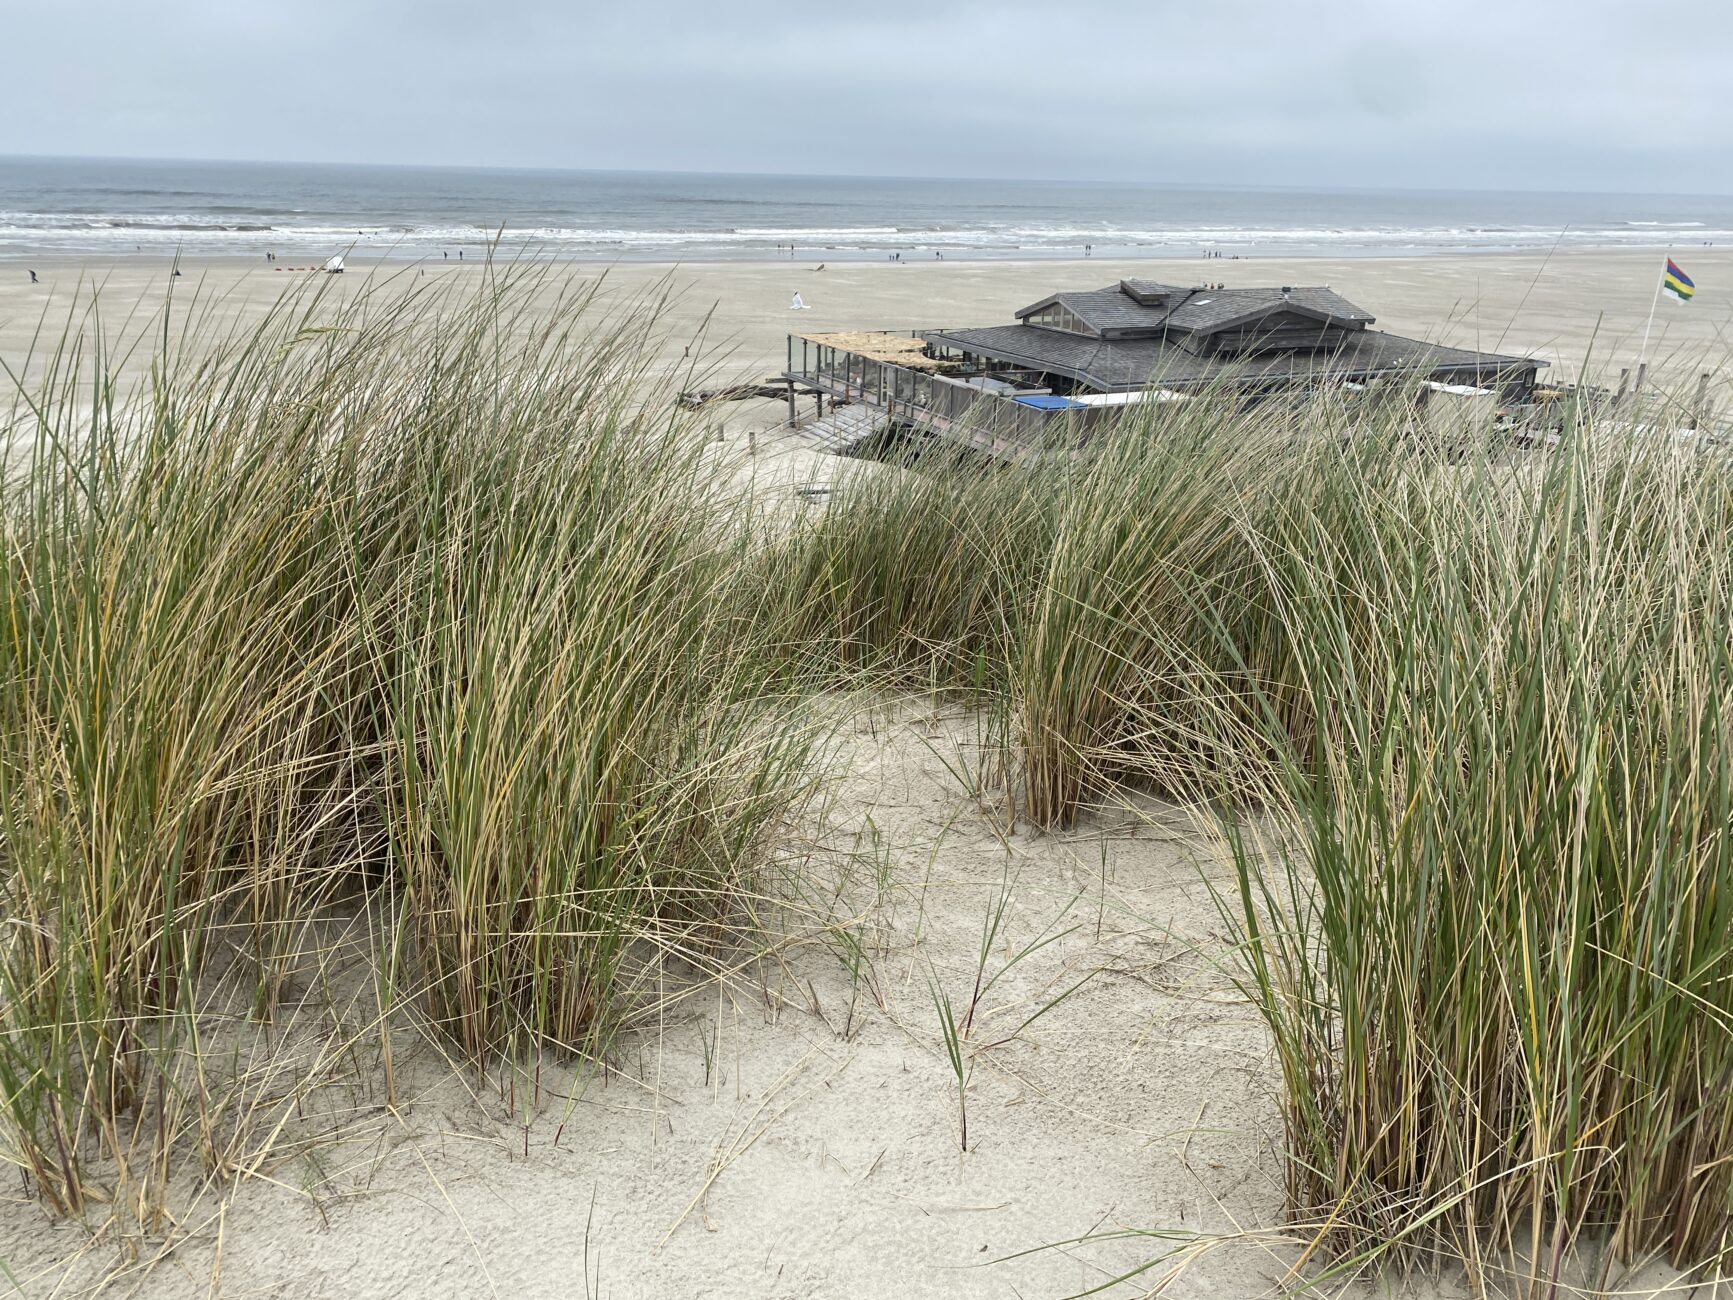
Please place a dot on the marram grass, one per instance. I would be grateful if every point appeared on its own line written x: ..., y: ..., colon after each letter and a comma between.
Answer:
x: 408, y: 607
x: 1463, y: 713
x: 1493, y: 928
x: 405, y: 604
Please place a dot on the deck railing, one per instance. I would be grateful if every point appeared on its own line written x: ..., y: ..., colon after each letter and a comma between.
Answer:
x: 993, y: 422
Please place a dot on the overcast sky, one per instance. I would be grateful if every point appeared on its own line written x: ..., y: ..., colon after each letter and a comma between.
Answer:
x: 1570, y: 94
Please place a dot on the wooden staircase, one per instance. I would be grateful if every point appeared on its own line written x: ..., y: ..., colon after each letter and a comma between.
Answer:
x: 844, y: 432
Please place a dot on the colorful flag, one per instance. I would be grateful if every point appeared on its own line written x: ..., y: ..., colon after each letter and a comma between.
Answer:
x: 1676, y: 281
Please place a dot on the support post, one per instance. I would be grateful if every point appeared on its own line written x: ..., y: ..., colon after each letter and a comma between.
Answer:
x: 1700, y: 408
x: 1624, y: 378
x: 1643, y: 352
x: 793, y: 415
x: 1637, y: 388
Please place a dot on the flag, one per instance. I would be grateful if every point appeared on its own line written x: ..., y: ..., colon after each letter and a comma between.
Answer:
x: 1677, y: 282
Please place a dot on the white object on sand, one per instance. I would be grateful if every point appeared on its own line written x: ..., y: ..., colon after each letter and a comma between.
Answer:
x: 798, y: 305
x: 334, y: 266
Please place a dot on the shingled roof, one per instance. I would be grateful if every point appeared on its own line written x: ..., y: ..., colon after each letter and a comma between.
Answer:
x: 1146, y: 307
x: 1121, y: 365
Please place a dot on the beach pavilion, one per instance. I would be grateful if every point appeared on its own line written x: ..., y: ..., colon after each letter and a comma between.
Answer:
x: 1071, y: 357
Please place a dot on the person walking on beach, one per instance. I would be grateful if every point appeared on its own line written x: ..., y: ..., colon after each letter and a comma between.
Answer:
x: 33, y: 279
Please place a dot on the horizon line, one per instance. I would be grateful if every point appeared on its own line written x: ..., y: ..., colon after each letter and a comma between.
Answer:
x: 543, y: 169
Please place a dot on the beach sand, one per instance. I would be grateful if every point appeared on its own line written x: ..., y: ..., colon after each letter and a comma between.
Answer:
x: 1563, y: 309
x: 794, y: 1132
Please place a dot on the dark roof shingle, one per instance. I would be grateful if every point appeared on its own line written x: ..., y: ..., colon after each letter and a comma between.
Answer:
x: 1114, y: 309
x: 1123, y: 364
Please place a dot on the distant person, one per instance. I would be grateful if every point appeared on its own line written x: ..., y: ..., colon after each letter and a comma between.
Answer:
x: 460, y: 255
x: 1089, y: 250
x: 33, y: 279
x: 446, y: 255
x: 938, y: 254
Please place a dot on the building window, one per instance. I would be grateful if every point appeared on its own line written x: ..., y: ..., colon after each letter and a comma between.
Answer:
x: 1057, y: 318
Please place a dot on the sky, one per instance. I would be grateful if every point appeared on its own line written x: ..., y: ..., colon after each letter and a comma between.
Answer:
x: 1501, y: 94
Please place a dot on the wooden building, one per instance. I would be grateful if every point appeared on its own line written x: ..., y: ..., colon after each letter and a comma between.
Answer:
x: 1071, y: 357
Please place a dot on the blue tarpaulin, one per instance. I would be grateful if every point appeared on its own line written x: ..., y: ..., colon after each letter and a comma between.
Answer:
x: 1048, y: 403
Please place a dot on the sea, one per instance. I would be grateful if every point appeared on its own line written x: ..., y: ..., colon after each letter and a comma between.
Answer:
x: 83, y: 207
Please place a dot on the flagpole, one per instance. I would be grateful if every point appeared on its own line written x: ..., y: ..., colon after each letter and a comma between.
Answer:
x: 1643, y: 353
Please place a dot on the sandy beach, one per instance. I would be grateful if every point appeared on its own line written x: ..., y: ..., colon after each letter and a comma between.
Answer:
x: 793, y: 1132
x: 1566, y: 309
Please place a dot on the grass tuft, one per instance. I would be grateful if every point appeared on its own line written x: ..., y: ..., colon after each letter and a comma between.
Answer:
x: 401, y: 603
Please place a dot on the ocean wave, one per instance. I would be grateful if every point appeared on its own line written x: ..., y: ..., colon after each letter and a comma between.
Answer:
x: 207, y: 231
x: 187, y: 227
x: 812, y: 232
